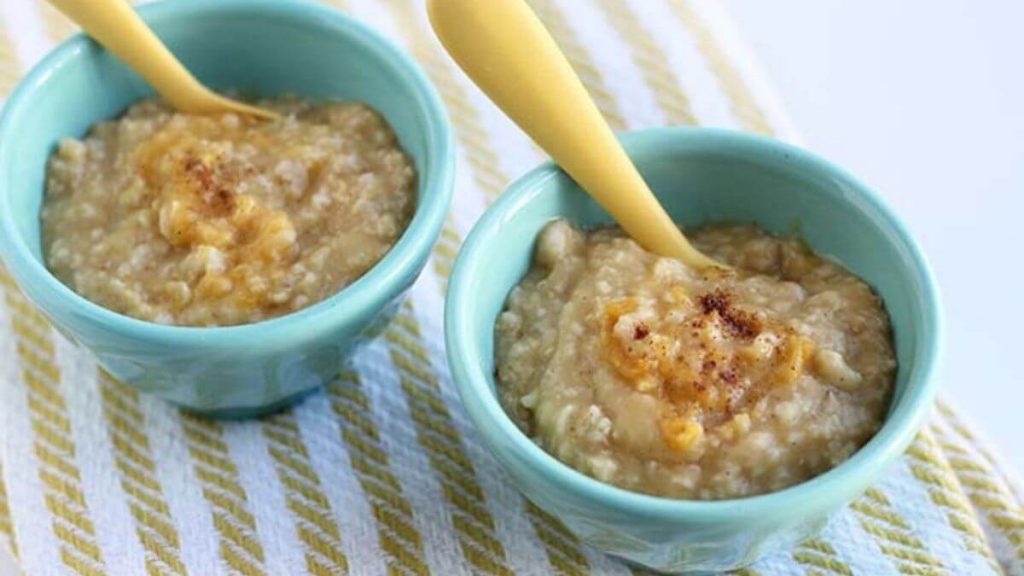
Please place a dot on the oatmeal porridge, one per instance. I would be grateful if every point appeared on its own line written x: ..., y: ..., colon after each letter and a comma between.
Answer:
x: 648, y: 375
x: 223, y: 219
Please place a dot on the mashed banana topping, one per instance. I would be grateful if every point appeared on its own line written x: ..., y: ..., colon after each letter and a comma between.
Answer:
x: 707, y: 358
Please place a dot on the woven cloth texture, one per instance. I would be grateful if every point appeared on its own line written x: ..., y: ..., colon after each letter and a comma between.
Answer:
x: 381, y: 472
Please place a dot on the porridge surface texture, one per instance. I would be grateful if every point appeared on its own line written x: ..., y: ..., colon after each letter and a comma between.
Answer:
x: 648, y: 375
x: 221, y: 219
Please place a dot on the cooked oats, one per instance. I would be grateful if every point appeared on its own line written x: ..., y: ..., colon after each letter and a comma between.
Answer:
x: 648, y: 375
x: 207, y: 220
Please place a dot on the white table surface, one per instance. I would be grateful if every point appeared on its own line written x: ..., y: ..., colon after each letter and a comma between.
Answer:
x: 924, y: 101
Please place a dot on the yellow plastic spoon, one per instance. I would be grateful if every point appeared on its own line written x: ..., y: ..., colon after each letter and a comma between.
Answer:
x: 119, y: 29
x: 505, y: 49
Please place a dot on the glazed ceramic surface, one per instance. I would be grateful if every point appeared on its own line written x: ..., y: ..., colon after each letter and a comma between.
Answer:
x: 701, y: 176
x: 259, y: 48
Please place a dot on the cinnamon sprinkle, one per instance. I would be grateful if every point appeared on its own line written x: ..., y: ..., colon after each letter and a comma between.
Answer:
x: 739, y: 323
x: 215, y: 195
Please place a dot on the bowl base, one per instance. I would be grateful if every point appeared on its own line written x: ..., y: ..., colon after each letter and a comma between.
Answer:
x: 253, y: 412
x: 638, y: 568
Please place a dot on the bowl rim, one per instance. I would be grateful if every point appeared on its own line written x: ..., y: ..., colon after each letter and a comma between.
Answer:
x: 836, y: 485
x: 397, y: 266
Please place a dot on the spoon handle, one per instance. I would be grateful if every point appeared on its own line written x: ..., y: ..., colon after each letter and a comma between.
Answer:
x: 507, y: 52
x: 115, y: 25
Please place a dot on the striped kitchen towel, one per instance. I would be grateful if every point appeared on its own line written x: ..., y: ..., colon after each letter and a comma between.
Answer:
x: 381, y: 473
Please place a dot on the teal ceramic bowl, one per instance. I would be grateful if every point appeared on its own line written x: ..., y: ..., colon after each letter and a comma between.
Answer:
x: 259, y: 47
x: 701, y: 176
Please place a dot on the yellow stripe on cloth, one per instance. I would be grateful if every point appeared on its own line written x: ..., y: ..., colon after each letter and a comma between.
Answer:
x: 651, y: 60
x: 311, y: 511
x: 444, y: 253
x: 928, y: 467
x: 240, y: 547
x: 438, y: 436
x: 57, y: 26
x: 6, y: 525
x: 341, y: 5
x: 400, y: 541
x: 53, y: 444
x: 819, y: 555
x: 470, y: 130
x: 9, y: 69
x: 741, y: 101
x: 562, y: 546
x: 582, y: 62
x: 952, y: 420
x: 133, y: 457
x: 9, y: 73
x: 895, y: 536
x: 985, y: 489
